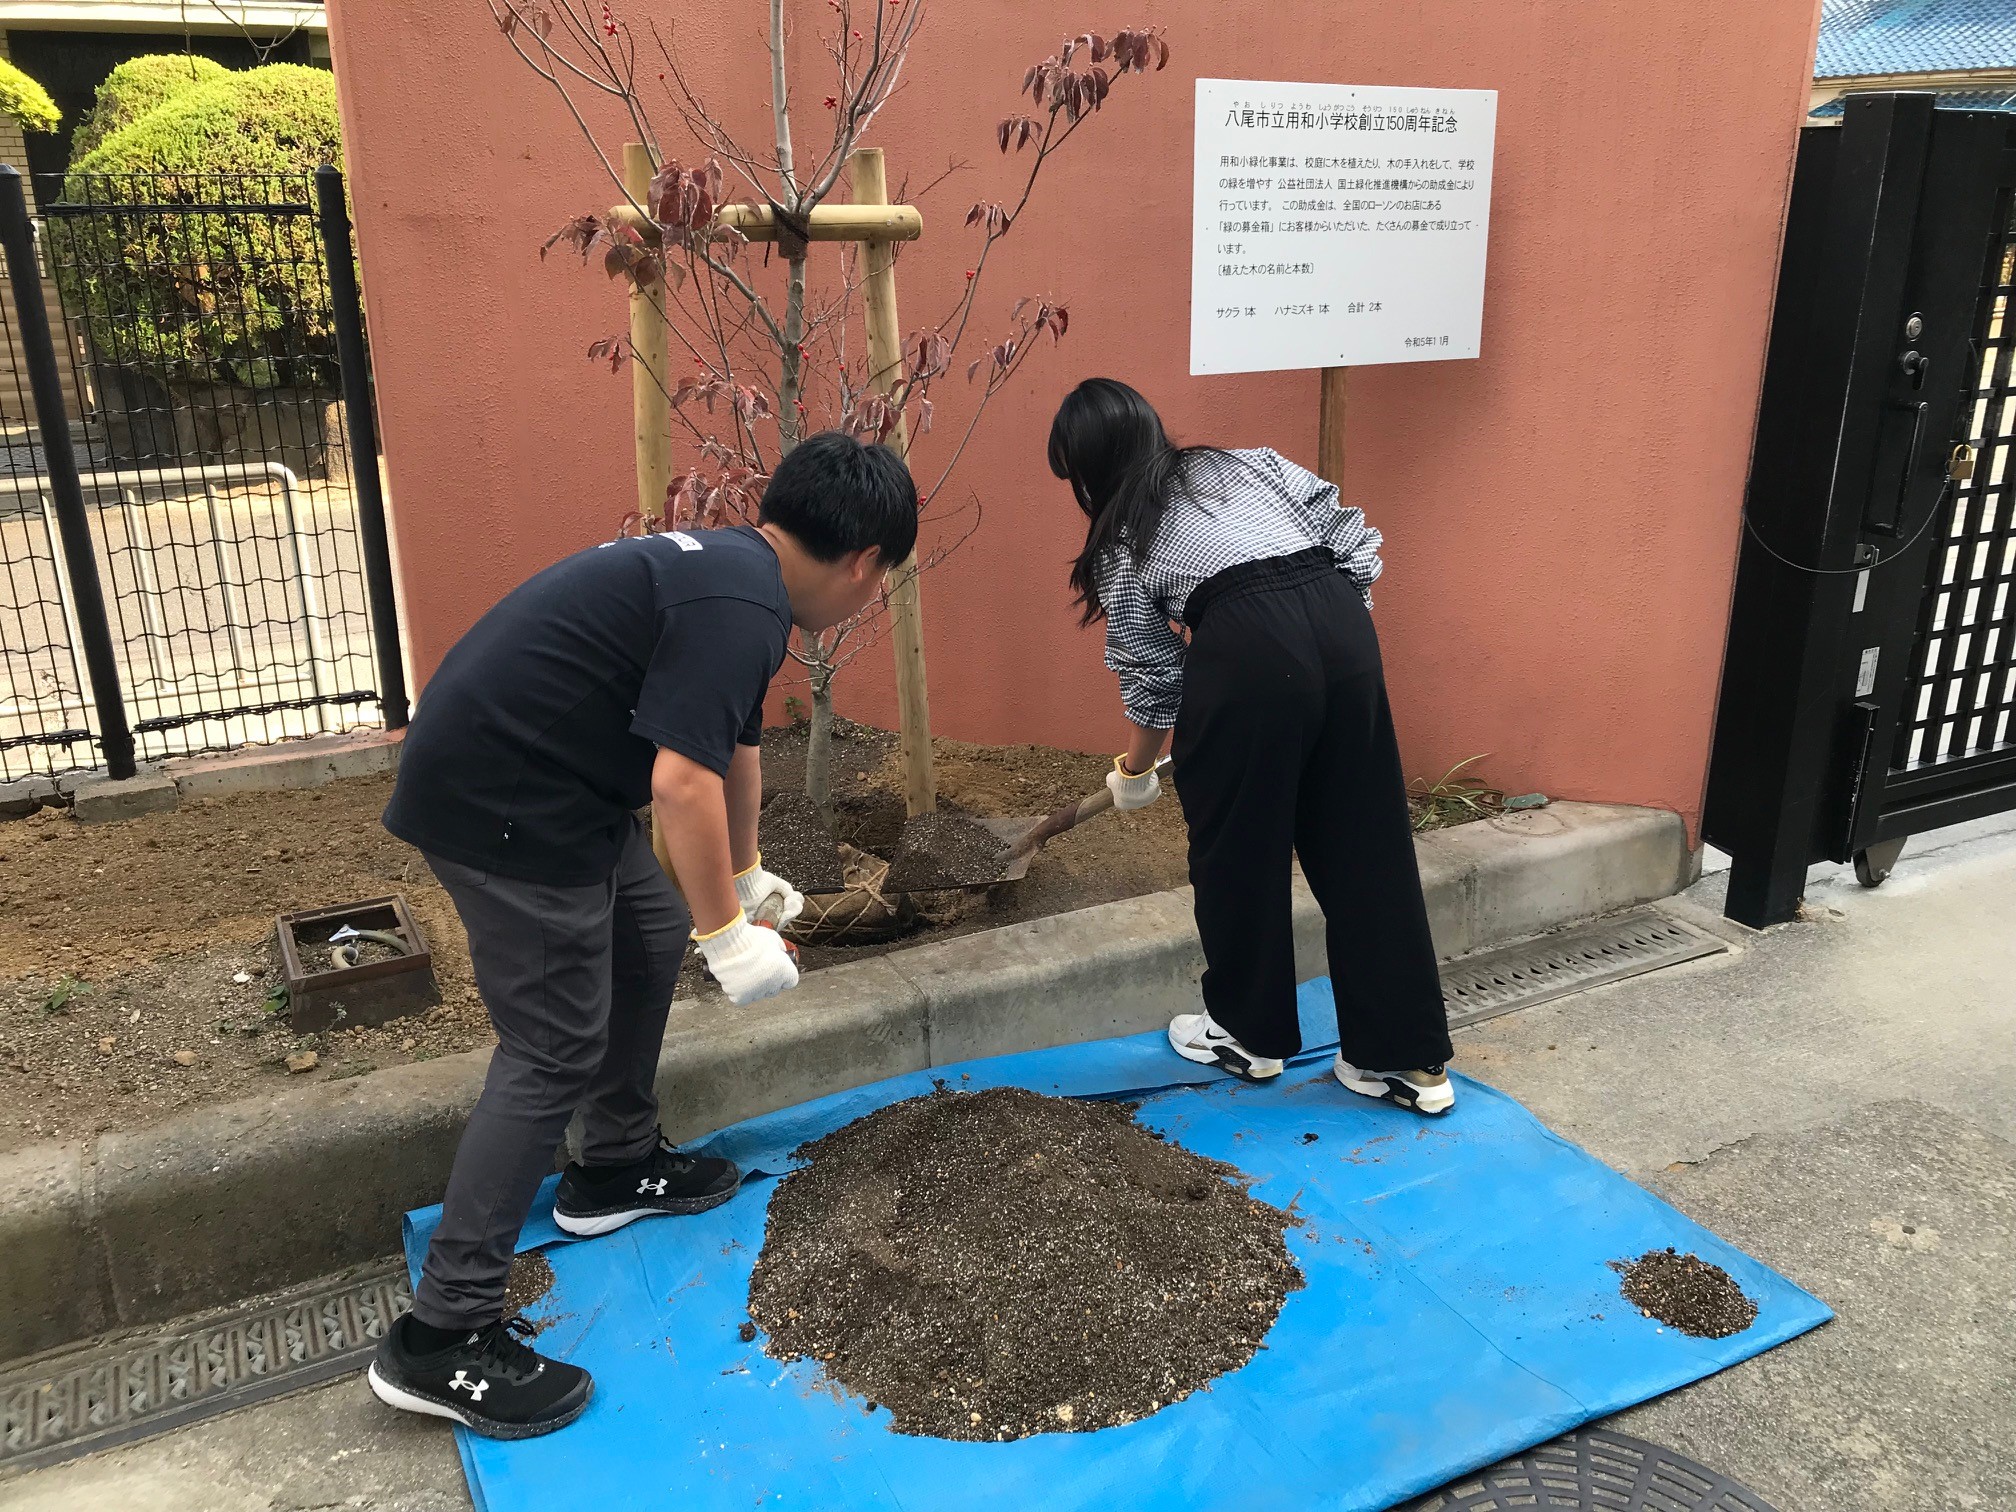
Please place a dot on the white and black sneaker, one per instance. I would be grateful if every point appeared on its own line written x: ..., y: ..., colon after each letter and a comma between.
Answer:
x: 1198, y: 1037
x: 489, y: 1381
x: 601, y: 1199
x: 1426, y: 1090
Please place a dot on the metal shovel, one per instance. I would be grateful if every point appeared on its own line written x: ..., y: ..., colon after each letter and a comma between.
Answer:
x: 1024, y: 837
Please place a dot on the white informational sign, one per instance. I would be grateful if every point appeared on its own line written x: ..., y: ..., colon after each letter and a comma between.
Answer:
x: 1337, y: 225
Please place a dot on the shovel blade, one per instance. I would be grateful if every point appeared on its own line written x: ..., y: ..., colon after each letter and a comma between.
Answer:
x: 1011, y: 832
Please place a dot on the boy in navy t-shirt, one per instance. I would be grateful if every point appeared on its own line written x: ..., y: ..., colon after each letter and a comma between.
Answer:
x: 628, y: 674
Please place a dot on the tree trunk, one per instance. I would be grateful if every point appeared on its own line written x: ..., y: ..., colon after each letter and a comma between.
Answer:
x: 791, y: 361
x: 819, y: 739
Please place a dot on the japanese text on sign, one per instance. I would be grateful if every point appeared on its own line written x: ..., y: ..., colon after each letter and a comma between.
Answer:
x: 1336, y: 225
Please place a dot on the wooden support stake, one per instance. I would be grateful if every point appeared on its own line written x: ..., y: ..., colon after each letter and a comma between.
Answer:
x: 651, y: 409
x: 885, y: 370
x: 650, y: 406
x: 1330, y: 428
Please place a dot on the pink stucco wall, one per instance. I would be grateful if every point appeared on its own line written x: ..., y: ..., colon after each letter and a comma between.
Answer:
x: 1560, y: 515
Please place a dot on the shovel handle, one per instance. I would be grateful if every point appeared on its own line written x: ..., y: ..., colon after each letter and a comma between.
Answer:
x: 770, y: 916
x: 1069, y: 817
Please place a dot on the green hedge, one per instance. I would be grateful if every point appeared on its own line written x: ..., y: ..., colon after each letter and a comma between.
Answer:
x: 138, y: 86
x: 26, y: 101
x: 276, y: 119
x: 211, y: 296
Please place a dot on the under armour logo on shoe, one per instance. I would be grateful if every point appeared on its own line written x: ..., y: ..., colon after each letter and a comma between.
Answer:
x: 655, y: 1188
x: 474, y: 1388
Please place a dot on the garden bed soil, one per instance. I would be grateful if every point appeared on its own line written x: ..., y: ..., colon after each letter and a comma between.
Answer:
x: 996, y: 1264
x: 797, y: 847
x: 122, y: 945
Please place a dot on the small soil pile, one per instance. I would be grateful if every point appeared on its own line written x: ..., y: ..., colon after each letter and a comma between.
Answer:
x: 945, y: 850
x: 797, y: 846
x: 1687, y: 1293
x: 994, y: 1264
x: 530, y: 1280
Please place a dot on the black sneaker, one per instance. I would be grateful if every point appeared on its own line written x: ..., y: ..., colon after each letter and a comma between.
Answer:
x: 601, y: 1199
x: 490, y: 1382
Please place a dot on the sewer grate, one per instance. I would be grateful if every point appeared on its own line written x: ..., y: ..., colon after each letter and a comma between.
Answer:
x: 1492, y: 982
x: 1595, y: 1471
x: 61, y: 1405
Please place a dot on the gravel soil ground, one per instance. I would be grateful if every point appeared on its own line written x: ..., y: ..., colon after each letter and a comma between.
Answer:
x: 137, y: 960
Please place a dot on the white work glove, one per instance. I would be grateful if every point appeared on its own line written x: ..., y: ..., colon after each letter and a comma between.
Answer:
x: 750, y: 962
x: 756, y: 884
x: 1130, y: 791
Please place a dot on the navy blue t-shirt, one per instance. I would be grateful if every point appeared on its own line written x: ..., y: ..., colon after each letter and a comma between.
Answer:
x: 533, y: 744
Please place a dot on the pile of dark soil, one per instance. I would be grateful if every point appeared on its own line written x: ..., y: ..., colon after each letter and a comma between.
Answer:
x: 797, y: 845
x: 996, y: 1264
x: 945, y: 849
x: 1687, y: 1293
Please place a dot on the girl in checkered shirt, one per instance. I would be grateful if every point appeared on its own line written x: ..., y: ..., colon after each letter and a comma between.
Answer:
x: 1284, y: 743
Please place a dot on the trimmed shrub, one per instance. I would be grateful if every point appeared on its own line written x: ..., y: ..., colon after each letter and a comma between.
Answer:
x: 26, y: 101
x: 277, y: 119
x: 136, y: 87
x: 209, y: 296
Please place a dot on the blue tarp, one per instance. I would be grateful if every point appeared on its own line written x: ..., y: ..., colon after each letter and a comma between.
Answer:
x: 1460, y: 1307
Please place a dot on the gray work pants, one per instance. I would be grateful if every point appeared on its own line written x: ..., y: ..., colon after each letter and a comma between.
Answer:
x: 577, y: 981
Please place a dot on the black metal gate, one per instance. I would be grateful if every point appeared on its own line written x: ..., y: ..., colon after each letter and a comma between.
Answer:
x: 193, y: 552
x: 1869, y: 685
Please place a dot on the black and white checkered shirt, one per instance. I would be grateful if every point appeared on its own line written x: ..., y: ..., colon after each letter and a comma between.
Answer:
x: 1260, y: 506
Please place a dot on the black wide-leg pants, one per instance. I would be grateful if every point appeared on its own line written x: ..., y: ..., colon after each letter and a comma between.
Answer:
x: 1284, y: 745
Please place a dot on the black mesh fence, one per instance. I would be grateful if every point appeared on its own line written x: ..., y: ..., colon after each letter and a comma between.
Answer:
x: 45, y: 705
x: 198, y: 346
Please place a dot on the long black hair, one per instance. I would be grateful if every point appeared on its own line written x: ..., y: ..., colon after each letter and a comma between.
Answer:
x: 1108, y: 443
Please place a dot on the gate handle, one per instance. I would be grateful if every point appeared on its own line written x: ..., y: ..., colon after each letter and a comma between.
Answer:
x: 1911, y: 457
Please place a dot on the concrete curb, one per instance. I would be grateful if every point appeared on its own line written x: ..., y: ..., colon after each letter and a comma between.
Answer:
x: 24, y: 795
x: 97, y: 799
x: 106, y: 800
x: 226, y: 1201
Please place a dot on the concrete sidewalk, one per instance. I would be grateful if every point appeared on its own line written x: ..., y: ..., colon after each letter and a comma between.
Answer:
x: 1838, y: 1097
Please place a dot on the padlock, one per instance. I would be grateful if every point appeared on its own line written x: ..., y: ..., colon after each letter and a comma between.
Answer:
x: 1960, y: 466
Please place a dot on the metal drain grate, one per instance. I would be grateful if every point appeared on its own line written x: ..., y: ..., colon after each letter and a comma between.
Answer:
x: 1595, y: 1471
x: 59, y: 1406
x: 1492, y: 982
